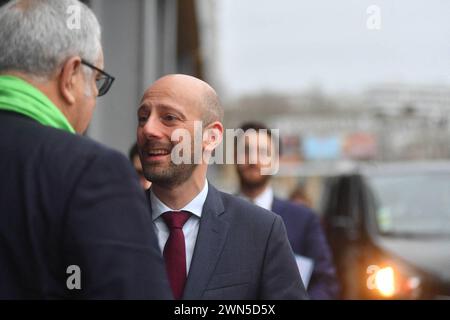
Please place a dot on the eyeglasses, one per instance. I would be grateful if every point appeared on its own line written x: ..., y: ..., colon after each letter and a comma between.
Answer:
x: 104, y: 82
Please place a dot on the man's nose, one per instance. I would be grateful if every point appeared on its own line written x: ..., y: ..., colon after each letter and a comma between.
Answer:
x: 153, y: 128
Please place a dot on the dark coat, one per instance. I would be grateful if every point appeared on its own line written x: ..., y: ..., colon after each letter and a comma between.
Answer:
x: 67, y: 200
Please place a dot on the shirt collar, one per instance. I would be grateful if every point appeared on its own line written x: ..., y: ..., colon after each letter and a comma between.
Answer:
x: 195, y: 206
x: 264, y: 200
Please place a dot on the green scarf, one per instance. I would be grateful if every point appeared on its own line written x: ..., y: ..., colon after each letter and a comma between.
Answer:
x: 19, y: 96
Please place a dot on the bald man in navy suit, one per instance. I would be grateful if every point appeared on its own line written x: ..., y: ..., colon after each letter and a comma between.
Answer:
x: 215, y: 245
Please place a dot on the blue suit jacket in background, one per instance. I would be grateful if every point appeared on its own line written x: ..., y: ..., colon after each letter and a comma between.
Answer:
x: 308, y: 239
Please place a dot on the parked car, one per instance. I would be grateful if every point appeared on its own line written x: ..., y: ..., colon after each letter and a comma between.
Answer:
x: 389, y: 230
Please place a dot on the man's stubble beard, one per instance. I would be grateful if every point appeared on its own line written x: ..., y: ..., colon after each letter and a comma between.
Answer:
x: 172, y: 176
x: 253, y: 183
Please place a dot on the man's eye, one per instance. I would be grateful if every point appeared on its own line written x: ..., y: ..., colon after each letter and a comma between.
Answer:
x: 169, y: 117
x: 142, y: 118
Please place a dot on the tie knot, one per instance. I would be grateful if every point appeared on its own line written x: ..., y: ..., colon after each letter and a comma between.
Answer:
x: 176, y: 219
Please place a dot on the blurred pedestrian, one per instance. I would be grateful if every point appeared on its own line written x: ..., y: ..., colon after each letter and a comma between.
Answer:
x: 304, y: 231
x: 299, y: 196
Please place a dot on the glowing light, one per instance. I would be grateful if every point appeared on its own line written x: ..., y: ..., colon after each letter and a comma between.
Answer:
x: 384, y: 281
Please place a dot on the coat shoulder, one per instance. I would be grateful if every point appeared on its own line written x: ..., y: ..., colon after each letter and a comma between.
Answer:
x: 58, y: 156
x: 292, y: 211
x: 64, y: 148
x: 44, y: 140
x: 246, y: 211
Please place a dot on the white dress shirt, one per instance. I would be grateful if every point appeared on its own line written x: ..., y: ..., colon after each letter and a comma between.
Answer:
x: 190, y: 228
x: 264, y: 200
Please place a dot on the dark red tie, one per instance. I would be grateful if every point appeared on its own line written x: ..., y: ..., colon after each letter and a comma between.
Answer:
x: 175, y: 251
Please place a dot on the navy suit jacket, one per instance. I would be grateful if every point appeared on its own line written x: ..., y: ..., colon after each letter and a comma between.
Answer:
x: 241, y: 252
x: 308, y: 239
x: 66, y: 200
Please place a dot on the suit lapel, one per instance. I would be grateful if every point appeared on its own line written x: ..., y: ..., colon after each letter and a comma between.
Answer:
x: 208, y: 247
x: 147, y: 195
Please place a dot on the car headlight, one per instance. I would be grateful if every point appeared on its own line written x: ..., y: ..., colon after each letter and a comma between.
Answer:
x: 392, y: 281
x: 385, y: 282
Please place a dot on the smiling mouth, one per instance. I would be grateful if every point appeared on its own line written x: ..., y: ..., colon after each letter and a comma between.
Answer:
x: 156, y: 154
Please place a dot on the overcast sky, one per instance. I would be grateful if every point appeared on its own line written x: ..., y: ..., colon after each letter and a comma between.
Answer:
x: 291, y: 45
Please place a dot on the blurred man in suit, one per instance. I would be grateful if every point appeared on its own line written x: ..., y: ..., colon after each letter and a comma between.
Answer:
x: 74, y: 221
x: 303, y: 228
x: 216, y: 246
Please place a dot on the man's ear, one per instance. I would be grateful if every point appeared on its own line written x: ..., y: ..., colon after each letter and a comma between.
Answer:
x: 70, y: 74
x: 212, y: 136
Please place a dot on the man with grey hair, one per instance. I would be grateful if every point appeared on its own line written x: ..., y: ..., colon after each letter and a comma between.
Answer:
x: 73, y: 218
